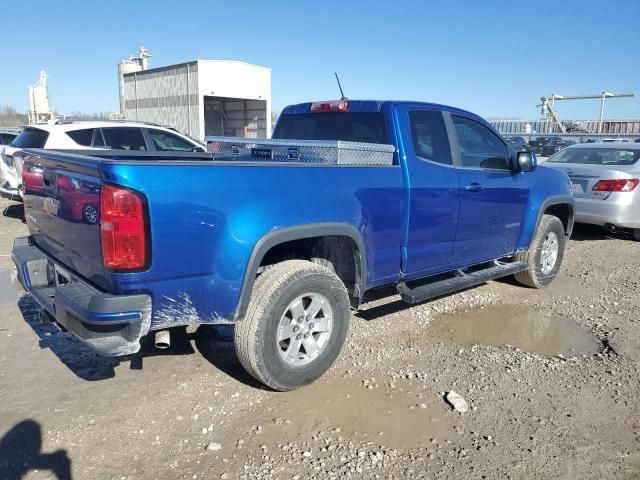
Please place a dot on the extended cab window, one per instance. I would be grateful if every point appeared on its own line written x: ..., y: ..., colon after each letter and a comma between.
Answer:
x: 122, y: 138
x: 82, y: 137
x: 429, y: 136
x: 168, y: 142
x: 368, y: 127
x: 31, y: 138
x: 479, y: 147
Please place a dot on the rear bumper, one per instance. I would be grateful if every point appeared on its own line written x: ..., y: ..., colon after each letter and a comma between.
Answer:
x: 610, y: 211
x: 8, y: 181
x: 8, y: 192
x: 112, y: 325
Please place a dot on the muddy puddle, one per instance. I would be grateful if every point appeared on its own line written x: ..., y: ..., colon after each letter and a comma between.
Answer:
x: 384, y: 415
x: 531, y: 330
x: 9, y: 286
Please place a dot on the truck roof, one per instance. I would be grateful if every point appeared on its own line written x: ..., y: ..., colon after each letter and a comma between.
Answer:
x: 376, y: 106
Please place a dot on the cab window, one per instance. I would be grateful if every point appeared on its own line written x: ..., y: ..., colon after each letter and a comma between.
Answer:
x: 429, y: 136
x: 479, y: 147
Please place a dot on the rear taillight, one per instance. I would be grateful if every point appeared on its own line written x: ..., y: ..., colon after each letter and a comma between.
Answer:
x: 622, y: 185
x: 123, y: 229
x: 330, y: 106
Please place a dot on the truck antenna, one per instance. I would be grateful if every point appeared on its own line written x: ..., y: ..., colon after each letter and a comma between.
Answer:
x: 340, y: 86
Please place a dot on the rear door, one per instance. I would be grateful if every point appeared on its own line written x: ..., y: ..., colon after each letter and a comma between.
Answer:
x: 432, y: 193
x: 492, y: 200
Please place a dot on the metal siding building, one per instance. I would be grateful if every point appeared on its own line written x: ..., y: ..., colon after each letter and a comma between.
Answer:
x: 203, y: 97
x: 545, y: 127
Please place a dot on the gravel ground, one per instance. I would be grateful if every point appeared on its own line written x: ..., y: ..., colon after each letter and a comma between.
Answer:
x: 550, y: 378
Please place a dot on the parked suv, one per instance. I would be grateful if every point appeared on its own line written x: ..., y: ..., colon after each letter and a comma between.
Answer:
x: 519, y: 144
x: 88, y: 135
x: 554, y: 147
x: 6, y: 137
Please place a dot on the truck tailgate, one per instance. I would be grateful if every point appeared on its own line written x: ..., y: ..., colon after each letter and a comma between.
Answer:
x: 62, y: 198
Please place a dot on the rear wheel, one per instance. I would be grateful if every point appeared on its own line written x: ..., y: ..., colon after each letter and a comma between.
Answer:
x: 295, y: 325
x: 544, y: 255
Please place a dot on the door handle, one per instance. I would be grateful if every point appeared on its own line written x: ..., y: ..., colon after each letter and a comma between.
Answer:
x: 473, y: 187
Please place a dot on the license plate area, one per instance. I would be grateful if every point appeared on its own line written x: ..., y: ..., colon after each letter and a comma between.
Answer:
x: 577, y: 189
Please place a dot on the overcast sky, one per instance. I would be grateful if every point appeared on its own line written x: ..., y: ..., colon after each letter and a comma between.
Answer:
x: 496, y: 58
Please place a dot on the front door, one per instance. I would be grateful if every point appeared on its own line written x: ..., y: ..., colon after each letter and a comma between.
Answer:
x: 493, y: 200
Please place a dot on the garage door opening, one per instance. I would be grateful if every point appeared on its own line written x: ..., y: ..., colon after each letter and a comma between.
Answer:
x: 235, y: 117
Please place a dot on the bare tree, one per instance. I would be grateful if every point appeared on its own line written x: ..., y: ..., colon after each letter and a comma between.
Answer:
x: 10, y: 118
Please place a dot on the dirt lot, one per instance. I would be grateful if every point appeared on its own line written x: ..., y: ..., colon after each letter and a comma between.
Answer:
x: 550, y: 377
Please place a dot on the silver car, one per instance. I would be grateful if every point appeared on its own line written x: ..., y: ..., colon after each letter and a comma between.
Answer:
x: 605, y: 182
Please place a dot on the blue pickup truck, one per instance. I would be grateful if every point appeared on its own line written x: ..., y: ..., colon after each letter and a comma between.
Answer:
x: 283, y: 237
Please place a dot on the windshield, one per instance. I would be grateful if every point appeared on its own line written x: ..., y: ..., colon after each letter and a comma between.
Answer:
x: 31, y: 138
x: 597, y: 156
x: 368, y: 127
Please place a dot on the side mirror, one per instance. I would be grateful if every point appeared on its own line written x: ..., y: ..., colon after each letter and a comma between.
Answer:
x: 526, y: 162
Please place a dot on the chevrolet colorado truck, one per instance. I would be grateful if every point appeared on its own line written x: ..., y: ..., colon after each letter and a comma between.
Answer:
x: 283, y: 237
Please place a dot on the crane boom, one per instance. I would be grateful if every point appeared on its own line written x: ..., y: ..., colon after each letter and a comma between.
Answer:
x: 548, y: 106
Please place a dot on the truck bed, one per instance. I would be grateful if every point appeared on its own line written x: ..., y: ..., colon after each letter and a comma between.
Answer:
x: 206, y: 215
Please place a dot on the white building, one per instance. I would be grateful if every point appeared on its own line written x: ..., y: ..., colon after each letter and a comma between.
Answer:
x: 203, y: 97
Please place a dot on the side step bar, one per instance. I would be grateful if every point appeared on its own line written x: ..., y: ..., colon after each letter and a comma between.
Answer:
x: 463, y: 280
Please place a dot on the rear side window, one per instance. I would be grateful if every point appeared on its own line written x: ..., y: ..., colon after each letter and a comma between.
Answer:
x: 479, y: 147
x: 31, y: 138
x: 367, y: 127
x: 82, y: 137
x: 119, y: 138
x: 6, y: 138
x: 168, y: 142
x: 429, y: 136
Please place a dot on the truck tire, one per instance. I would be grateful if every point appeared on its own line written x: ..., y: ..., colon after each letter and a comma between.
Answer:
x: 544, y: 255
x: 636, y: 234
x: 296, y: 323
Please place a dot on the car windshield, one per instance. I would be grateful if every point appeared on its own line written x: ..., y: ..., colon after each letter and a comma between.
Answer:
x: 597, y: 156
x: 31, y: 138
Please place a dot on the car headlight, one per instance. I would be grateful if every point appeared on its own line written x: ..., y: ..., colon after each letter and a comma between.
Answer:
x: 8, y: 160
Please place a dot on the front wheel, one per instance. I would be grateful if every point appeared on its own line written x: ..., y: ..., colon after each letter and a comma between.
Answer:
x: 295, y: 325
x: 544, y: 255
